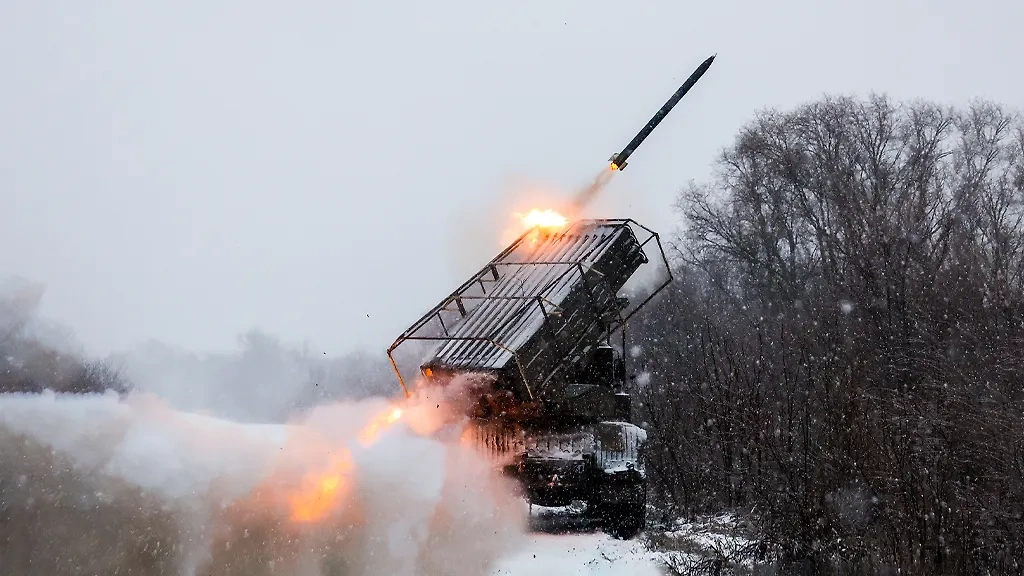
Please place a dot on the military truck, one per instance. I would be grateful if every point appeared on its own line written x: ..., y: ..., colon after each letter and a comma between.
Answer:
x: 542, y: 330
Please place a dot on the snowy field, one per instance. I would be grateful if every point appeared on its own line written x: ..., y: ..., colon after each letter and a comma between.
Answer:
x: 579, y: 554
x: 698, y: 547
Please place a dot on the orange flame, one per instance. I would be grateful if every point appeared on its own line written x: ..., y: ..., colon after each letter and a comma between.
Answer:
x: 538, y: 221
x: 547, y: 219
x: 379, y: 424
x: 321, y: 492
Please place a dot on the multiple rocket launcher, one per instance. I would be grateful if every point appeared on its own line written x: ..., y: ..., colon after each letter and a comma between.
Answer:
x: 535, y: 306
x: 536, y: 324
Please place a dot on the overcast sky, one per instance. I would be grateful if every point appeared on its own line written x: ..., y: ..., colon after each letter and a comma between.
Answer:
x: 328, y: 170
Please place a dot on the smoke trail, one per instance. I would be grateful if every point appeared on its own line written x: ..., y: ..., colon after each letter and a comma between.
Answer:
x: 97, y: 484
x: 587, y: 195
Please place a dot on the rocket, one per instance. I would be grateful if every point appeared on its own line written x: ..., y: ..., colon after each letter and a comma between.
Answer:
x: 619, y: 160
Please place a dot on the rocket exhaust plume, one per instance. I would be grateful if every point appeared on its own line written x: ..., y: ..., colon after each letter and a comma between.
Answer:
x: 618, y: 160
x: 106, y: 485
x: 584, y: 197
x: 540, y: 220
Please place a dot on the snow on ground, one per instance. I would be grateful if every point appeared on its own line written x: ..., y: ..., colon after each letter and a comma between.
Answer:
x: 713, y: 533
x: 563, y: 543
x: 579, y: 554
x: 722, y: 542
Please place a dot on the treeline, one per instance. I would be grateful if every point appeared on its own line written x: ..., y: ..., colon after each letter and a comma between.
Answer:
x: 30, y: 364
x: 265, y: 380
x: 842, y: 352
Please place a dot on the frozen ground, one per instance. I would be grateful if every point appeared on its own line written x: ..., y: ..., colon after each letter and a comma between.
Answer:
x: 721, y: 544
x: 579, y: 554
x: 561, y: 543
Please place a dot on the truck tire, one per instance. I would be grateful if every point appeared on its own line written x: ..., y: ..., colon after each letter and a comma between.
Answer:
x: 623, y: 521
x: 626, y: 519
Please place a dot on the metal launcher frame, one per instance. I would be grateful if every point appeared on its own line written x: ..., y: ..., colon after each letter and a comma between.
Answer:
x: 539, y: 305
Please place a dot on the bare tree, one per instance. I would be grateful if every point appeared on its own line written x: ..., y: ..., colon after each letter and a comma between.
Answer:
x: 841, y: 355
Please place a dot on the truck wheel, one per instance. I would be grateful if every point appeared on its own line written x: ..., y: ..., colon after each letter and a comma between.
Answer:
x: 623, y: 521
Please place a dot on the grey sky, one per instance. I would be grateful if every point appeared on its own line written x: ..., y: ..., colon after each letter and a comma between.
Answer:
x: 188, y: 170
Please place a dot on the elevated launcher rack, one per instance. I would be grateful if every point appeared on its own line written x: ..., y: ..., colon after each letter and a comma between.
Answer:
x: 538, y: 307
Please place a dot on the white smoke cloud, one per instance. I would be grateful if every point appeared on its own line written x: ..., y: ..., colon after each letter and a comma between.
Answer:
x: 169, y: 480
x: 264, y: 380
x: 166, y: 492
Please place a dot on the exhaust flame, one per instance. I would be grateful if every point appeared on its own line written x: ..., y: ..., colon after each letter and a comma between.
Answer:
x: 541, y: 221
x: 378, y: 425
x: 321, y: 493
x: 547, y: 219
